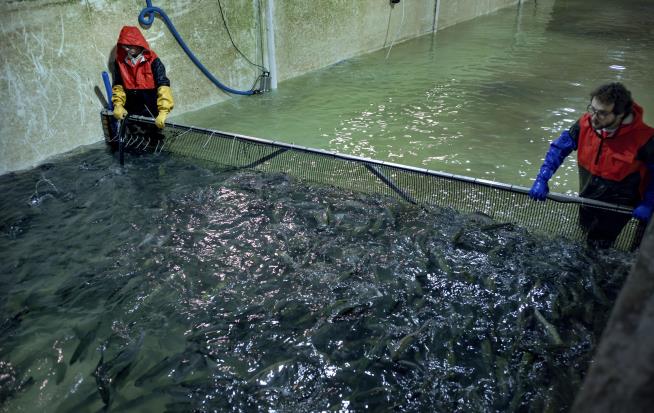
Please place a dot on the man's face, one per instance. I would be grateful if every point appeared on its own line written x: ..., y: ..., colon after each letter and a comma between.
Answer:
x: 132, y: 51
x: 602, y: 115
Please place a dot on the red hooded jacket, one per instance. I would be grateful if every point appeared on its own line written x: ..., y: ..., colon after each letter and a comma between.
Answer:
x: 616, y: 157
x: 140, y: 81
x: 139, y: 76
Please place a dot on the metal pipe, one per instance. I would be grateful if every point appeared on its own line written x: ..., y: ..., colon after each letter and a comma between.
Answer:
x: 270, y: 40
x: 478, y: 181
x: 437, y: 10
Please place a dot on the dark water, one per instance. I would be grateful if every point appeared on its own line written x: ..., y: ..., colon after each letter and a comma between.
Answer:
x: 171, y: 286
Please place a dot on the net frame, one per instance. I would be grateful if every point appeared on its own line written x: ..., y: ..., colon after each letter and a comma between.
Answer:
x: 427, y: 188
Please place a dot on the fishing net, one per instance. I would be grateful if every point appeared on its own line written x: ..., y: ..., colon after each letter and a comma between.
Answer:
x: 558, y: 217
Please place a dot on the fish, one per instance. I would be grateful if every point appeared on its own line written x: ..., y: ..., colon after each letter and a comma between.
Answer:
x: 487, y: 352
x: 406, y: 341
x: 60, y: 371
x: 103, y: 380
x: 502, y: 376
x: 456, y: 239
x: 377, y: 225
x: 597, y: 291
x: 321, y: 218
x: 526, y: 362
x: 112, y: 374
x: 480, y: 218
x: 77, y: 402
x: 500, y: 225
x: 410, y: 365
x: 366, y: 395
x: 11, y: 324
x: 343, y: 308
x: 437, y: 261
x: 165, y: 365
x: 191, y: 363
x: 85, y: 342
x: 549, y: 328
x: 275, y: 367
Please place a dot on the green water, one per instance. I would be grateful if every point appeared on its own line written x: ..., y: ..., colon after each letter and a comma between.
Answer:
x: 481, y: 99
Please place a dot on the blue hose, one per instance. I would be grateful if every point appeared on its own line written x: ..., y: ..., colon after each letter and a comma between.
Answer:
x: 107, y: 88
x: 146, y: 18
x: 113, y: 124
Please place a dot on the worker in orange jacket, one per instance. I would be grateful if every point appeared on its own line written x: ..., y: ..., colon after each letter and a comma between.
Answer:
x: 140, y: 84
x: 615, y: 155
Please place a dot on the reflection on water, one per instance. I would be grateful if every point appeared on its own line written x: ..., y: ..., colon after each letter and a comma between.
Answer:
x: 172, y: 286
x: 482, y: 98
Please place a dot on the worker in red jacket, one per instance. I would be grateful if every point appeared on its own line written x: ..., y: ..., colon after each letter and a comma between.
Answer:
x: 140, y: 84
x: 615, y: 153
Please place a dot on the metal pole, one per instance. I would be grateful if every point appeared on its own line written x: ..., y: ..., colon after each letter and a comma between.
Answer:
x: 121, y: 141
x: 437, y: 10
x: 270, y: 40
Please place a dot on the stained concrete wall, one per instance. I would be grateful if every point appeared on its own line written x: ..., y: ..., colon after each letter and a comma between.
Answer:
x: 453, y: 12
x: 307, y: 40
x: 53, y: 53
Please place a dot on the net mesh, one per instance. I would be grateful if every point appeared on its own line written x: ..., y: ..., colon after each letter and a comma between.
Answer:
x: 504, y: 203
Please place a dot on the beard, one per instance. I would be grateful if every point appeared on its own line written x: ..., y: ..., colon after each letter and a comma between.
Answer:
x: 597, y: 124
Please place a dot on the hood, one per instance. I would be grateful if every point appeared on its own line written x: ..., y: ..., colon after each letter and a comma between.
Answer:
x: 131, y: 35
x: 637, y: 121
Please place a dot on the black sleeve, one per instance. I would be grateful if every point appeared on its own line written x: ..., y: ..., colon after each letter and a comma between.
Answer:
x: 118, y: 79
x: 574, y: 133
x: 646, y: 153
x: 159, y: 73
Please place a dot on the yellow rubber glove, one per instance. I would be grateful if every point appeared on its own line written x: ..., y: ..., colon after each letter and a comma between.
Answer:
x: 118, y: 98
x: 165, y: 104
x: 160, y: 120
x: 119, y: 112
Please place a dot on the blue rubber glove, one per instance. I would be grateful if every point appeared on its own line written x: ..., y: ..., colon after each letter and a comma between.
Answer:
x: 644, y: 210
x: 559, y: 149
x: 539, y: 190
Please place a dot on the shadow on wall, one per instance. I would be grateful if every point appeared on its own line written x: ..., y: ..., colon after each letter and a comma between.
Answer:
x: 111, y: 64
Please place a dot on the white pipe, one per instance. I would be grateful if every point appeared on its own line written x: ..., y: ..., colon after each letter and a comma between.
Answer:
x: 519, y: 26
x: 270, y: 40
x: 398, y: 31
x: 437, y: 11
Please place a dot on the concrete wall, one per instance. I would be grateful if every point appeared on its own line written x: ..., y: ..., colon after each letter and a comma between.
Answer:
x: 53, y: 53
x: 452, y: 12
x: 317, y: 33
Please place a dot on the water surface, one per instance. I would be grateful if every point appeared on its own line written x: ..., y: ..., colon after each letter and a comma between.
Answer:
x: 169, y: 285
x: 483, y: 98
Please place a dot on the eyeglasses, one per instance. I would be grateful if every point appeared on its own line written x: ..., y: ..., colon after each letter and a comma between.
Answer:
x: 600, y: 113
